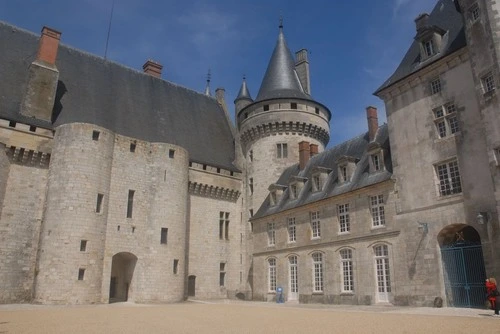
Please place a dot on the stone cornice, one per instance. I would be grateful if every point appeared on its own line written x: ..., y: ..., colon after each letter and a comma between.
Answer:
x: 26, y: 157
x: 208, y: 190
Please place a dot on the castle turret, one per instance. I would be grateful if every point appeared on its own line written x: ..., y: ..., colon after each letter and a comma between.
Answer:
x: 272, y: 126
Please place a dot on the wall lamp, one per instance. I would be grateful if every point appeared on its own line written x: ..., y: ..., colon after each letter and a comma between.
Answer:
x: 423, y: 227
x: 482, y: 218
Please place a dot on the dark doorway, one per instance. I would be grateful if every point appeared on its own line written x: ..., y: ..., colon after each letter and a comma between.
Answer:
x: 191, y: 285
x: 122, y: 272
x: 463, y: 266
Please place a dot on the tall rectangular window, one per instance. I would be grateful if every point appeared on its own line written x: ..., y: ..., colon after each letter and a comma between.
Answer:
x: 250, y: 155
x: 223, y: 225
x: 81, y: 274
x: 429, y: 48
x: 474, y: 12
x: 449, y: 178
x: 347, y: 271
x: 292, y: 229
x: 164, y: 235
x: 317, y: 272
x: 130, y: 203
x: 488, y: 83
x: 272, y: 274
x: 316, y: 182
x: 222, y: 274
x: 98, y: 206
x: 250, y: 185
x: 378, y: 211
x: 344, y: 219
x: 271, y: 234
x: 281, y: 150
x: 132, y: 147
x: 176, y: 266
x: 83, y: 245
x: 445, y: 119
x: 376, y: 161
x: 315, y: 225
x: 95, y: 135
x: 435, y: 86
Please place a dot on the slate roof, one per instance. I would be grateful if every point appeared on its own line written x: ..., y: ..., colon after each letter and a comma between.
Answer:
x: 123, y: 100
x: 445, y: 16
x: 357, y: 148
x: 244, y: 93
x: 281, y: 80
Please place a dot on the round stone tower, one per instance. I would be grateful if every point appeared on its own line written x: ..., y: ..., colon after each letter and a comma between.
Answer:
x: 282, y: 115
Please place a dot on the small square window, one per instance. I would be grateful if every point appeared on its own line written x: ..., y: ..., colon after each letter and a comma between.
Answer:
x: 171, y: 154
x: 293, y: 105
x: 132, y: 147
x: 95, y: 135
x: 266, y: 107
x: 317, y: 111
x: 32, y: 128
x: 435, y: 86
x: 81, y: 274
x: 83, y: 245
x: 12, y: 124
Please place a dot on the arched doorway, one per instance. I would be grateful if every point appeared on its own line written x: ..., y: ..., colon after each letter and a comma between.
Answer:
x: 463, y: 266
x: 122, y: 271
x: 191, y: 285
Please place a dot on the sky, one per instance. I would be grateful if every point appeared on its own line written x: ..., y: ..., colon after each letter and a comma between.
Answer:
x: 353, y: 45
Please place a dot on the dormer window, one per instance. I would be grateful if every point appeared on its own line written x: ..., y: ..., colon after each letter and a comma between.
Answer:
x: 296, y: 185
x: 376, y: 155
x: 275, y: 193
x: 474, y: 12
x: 346, y: 167
x: 293, y: 191
x: 429, y: 48
x: 319, y: 178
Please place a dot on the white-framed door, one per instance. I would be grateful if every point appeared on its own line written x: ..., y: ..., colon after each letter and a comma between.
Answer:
x: 293, y: 281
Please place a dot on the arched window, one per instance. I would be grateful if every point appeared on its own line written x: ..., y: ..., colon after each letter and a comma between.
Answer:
x: 317, y: 272
x: 272, y: 274
x: 346, y: 268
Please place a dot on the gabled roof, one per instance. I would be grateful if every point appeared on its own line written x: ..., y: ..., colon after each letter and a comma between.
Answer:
x: 444, y: 16
x: 327, y: 160
x: 281, y: 80
x: 125, y: 101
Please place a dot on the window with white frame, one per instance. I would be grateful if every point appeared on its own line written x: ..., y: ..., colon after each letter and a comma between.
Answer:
x: 449, y: 178
x: 316, y: 182
x: 347, y: 270
x: 281, y: 150
x: 488, y: 83
x: 378, y: 211
x: 315, y: 225
x: 474, y: 12
x: 344, y: 220
x: 429, y: 48
x: 294, y: 191
x: 445, y: 119
x: 317, y: 272
x: 376, y: 162
x: 343, y: 173
x: 435, y: 86
x: 383, y: 270
x: 272, y: 274
x: 292, y: 230
x: 271, y: 234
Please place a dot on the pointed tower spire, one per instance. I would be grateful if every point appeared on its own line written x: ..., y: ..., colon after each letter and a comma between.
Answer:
x: 207, y: 88
x: 244, y: 93
x: 281, y: 80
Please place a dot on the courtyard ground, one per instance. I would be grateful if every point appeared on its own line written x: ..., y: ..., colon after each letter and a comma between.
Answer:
x: 242, y: 317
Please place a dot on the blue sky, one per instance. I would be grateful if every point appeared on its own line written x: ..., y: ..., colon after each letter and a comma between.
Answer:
x: 354, y: 45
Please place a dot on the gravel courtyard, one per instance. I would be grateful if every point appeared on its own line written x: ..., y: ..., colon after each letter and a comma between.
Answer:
x: 242, y: 317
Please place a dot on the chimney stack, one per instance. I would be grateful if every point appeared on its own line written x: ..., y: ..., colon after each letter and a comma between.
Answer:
x: 304, y: 154
x: 47, y: 48
x: 152, y: 68
x: 422, y: 21
x: 313, y: 150
x: 371, y: 114
x: 302, y: 68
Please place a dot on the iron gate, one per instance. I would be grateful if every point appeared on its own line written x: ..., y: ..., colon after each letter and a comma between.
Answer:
x: 464, y: 274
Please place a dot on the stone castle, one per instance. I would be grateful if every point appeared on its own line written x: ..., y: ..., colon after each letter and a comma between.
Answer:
x: 118, y: 185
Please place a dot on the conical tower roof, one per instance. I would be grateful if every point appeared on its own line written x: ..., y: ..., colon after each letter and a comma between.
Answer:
x: 244, y: 93
x: 281, y: 80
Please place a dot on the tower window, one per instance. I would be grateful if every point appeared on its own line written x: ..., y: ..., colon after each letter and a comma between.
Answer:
x: 171, y: 154
x: 95, y: 135
x: 266, y: 107
x: 130, y: 203
x: 98, y: 206
x: 293, y: 105
x: 132, y: 147
x: 176, y: 266
x: 164, y: 235
x: 282, y: 150
x: 83, y: 245
x: 32, y: 128
x: 81, y: 274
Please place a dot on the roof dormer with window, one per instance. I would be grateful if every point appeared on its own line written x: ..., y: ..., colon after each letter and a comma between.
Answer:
x: 376, y: 157
x: 275, y: 193
x: 430, y: 37
x: 319, y: 177
x: 296, y: 185
x: 346, y: 167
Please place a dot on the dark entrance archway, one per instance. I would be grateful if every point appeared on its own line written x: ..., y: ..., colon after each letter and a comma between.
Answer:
x: 463, y: 266
x: 191, y: 285
x: 122, y: 272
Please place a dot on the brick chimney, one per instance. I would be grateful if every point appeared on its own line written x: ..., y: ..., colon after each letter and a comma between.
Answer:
x: 313, y: 149
x: 304, y: 154
x: 371, y: 114
x: 152, y: 68
x: 43, y: 76
x: 422, y: 21
x: 49, y: 43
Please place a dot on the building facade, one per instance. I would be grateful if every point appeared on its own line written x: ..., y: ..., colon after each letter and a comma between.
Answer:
x: 118, y: 185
